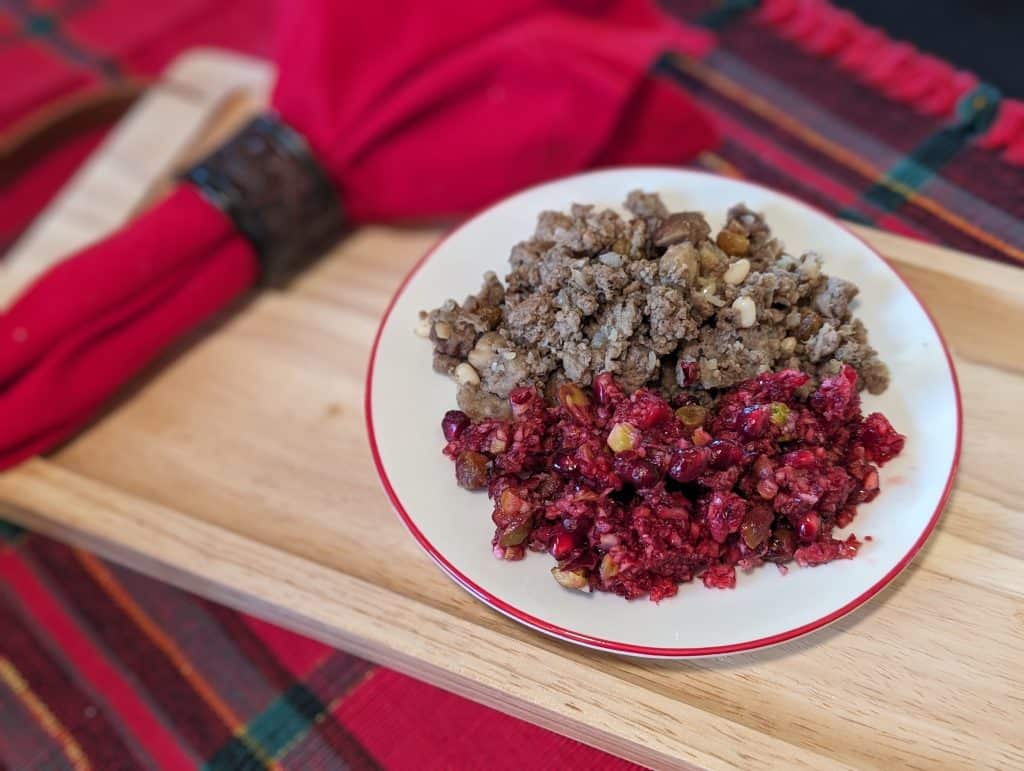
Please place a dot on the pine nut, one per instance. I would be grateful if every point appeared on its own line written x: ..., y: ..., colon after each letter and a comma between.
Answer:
x: 466, y: 375
x: 737, y: 272
x: 747, y: 311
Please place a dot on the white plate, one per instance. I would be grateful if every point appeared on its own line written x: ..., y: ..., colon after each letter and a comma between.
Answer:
x: 405, y: 401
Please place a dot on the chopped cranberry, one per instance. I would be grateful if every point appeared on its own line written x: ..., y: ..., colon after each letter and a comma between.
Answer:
x: 563, y: 462
x: 720, y: 577
x: 724, y: 513
x: 753, y: 421
x: 689, y: 464
x: 800, y: 459
x: 606, y: 390
x: 754, y: 489
x: 836, y: 399
x: 881, y: 441
x: 454, y: 423
x: 724, y: 454
x: 779, y: 386
x: 641, y: 474
x: 820, y: 552
x: 767, y: 489
x: 763, y: 467
x: 644, y: 409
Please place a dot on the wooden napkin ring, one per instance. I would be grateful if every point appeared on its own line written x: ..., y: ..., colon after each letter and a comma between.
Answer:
x: 266, y: 180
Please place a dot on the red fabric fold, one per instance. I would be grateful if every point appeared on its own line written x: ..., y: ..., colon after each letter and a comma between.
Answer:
x: 414, y: 110
x: 59, y: 361
x: 516, y: 92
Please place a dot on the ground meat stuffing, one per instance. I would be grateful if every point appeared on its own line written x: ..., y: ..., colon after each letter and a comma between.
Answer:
x: 655, y: 299
x: 635, y: 495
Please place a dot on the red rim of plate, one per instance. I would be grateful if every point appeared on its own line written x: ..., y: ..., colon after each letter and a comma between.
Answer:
x: 644, y: 650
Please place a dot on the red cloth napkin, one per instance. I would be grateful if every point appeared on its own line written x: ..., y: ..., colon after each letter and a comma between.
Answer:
x: 414, y: 110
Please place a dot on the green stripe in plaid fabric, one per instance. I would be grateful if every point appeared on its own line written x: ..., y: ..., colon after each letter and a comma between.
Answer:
x: 719, y: 17
x: 975, y: 113
x: 285, y: 721
x: 235, y: 756
x: 45, y: 26
x: 9, y: 531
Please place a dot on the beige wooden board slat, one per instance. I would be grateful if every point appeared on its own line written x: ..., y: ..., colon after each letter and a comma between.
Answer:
x: 141, y: 151
x: 239, y: 468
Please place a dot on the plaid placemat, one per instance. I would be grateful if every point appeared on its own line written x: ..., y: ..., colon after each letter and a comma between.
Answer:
x: 103, y: 668
x: 813, y: 102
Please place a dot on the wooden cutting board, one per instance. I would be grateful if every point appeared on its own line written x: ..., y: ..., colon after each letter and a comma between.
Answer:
x: 239, y: 469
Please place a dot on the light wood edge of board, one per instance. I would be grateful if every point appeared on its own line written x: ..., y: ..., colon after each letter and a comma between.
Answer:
x: 185, y: 100
x: 578, y: 700
x: 940, y: 259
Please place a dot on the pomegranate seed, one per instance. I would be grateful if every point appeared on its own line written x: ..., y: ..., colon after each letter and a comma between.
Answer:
x: 809, y: 526
x: 564, y: 462
x: 562, y: 544
x: 687, y: 373
x: 453, y: 424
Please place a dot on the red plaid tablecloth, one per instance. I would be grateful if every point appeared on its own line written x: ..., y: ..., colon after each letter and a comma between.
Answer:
x: 101, y: 667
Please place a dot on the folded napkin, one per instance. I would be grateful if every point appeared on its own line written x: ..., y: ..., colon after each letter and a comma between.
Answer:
x: 413, y: 110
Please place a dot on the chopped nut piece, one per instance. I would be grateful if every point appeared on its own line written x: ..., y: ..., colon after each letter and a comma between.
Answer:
x: 572, y: 579
x: 623, y: 437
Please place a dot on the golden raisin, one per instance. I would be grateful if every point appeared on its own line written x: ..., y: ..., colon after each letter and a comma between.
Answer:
x: 691, y: 415
x: 732, y: 243
x: 810, y: 323
x: 571, y: 395
x: 471, y: 470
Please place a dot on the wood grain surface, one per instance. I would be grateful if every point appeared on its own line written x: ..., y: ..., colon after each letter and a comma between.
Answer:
x: 239, y: 468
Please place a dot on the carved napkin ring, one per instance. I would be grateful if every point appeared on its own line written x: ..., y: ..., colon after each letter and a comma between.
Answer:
x: 266, y: 180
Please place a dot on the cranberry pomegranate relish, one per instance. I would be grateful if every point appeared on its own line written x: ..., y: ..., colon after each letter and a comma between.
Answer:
x: 635, y: 495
